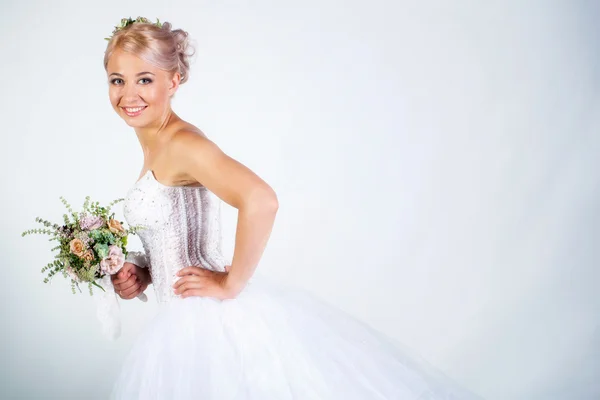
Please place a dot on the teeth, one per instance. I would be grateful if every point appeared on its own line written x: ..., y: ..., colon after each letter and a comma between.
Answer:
x: 133, y: 110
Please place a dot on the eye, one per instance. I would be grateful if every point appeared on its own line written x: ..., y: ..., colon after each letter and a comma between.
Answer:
x: 116, y: 81
x: 145, y: 81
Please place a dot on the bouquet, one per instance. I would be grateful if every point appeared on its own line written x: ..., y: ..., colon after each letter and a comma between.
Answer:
x: 91, y: 245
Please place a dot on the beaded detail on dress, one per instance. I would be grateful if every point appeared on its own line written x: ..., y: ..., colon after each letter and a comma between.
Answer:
x: 181, y: 228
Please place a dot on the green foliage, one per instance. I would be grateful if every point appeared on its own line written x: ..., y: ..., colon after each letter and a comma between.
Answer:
x: 101, y: 250
x: 66, y: 203
x: 53, y: 268
x: 102, y: 235
x: 86, y: 203
x: 112, y: 203
x: 40, y: 231
x: 88, y: 274
x: 75, y: 215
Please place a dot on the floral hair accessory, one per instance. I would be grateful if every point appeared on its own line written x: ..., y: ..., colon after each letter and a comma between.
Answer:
x: 125, y: 22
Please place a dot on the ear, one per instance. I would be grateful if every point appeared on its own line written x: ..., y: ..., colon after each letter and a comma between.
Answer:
x: 174, y: 83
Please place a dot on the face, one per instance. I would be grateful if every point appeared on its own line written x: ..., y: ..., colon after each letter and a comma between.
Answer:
x: 139, y: 92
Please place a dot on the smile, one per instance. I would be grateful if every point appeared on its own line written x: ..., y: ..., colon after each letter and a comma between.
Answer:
x: 133, y: 111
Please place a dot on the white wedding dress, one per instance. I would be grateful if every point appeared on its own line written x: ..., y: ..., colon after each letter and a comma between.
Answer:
x: 269, y: 343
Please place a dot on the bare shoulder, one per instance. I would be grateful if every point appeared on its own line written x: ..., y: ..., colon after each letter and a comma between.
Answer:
x: 188, y: 152
x: 198, y: 159
x: 188, y: 141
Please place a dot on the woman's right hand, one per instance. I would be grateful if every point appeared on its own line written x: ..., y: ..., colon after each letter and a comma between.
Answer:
x: 130, y: 281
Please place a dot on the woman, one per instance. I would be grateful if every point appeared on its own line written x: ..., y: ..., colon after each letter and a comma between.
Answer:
x: 218, y: 334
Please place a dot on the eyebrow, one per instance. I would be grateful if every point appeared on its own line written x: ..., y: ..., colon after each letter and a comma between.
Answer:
x: 141, y: 73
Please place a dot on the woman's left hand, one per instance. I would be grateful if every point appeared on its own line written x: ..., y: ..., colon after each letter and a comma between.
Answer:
x: 202, y: 282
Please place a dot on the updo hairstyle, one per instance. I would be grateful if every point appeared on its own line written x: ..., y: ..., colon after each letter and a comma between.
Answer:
x: 162, y: 47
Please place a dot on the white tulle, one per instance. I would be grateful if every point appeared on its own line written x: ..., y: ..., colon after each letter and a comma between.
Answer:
x: 270, y: 343
x: 274, y: 343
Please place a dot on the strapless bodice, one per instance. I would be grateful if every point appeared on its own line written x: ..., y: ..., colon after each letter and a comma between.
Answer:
x: 181, y: 227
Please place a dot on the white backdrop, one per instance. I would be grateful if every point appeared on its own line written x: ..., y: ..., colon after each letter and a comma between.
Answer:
x: 436, y: 167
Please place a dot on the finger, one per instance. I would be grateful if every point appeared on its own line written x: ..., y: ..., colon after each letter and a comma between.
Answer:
x: 120, y: 277
x: 141, y: 289
x: 132, y: 280
x: 193, y: 292
x: 189, y: 285
x: 120, y: 294
x: 124, y: 273
x: 227, y: 268
x: 118, y: 281
x: 188, y: 278
x: 128, y: 292
x: 133, y: 295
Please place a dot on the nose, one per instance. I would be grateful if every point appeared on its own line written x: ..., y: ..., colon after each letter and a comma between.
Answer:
x: 130, y: 94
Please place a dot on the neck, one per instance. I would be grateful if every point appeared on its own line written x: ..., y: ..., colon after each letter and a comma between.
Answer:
x: 152, y: 135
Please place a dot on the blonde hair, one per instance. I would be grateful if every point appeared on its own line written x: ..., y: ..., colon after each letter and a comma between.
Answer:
x: 162, y: 47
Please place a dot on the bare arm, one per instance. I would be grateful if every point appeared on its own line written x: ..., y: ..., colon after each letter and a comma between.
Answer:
x: 239, y: 187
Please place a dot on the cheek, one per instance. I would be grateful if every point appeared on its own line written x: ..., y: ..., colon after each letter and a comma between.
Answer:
x: 152, y: 93
x: 114, y: 96
x: 155, y: 95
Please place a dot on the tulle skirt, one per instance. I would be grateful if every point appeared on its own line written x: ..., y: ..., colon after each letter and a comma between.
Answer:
x: 271, y: 343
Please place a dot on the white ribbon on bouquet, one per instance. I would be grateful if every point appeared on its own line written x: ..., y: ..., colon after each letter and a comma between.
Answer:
x: 107, y: 303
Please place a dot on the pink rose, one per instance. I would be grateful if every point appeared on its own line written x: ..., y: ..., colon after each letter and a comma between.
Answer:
x: 114, y: 262
x: 89, y: 222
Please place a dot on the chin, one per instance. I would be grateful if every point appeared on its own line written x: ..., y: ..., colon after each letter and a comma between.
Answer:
x: 135, y: 123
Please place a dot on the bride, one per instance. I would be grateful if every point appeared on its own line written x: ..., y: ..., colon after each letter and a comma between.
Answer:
x: 221, y: 332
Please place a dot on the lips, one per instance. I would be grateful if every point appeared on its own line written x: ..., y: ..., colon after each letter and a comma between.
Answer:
x: 133, y: 111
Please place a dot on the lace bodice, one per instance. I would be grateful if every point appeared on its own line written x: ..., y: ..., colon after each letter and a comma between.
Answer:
x: 181, y: 227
